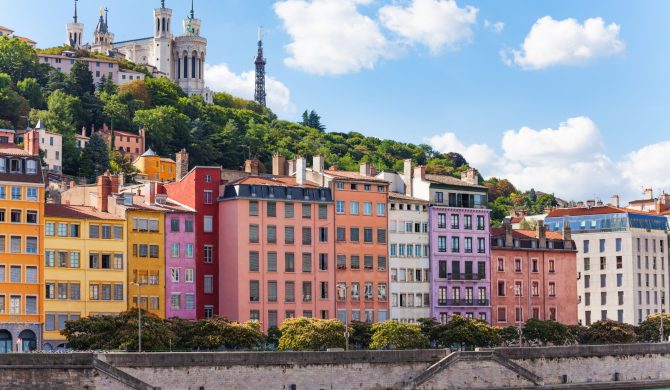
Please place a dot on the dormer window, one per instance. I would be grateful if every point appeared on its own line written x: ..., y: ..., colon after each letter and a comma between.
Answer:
x: 3, y: 165
x: 15, y: 166
x: 31, y: 167
x: 128, y: 199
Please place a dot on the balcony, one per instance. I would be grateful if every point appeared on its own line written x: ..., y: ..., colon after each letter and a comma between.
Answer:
x: 463, y: 302
x: 470, y: 276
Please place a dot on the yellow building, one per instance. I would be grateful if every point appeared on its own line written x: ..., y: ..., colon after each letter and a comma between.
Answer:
x: 85, y: 269
x: 154, y: 167
x: 21, y: 235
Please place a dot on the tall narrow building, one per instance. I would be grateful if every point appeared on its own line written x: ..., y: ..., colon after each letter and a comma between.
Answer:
x: 103, y: 39
x: 74, y: 30
x: 259, y: 95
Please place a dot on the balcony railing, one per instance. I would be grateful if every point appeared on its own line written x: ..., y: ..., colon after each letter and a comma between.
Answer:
x: 470, y: 276
x: 463, y: 302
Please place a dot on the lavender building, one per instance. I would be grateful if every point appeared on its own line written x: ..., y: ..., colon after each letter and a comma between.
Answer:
x: 459, y: 244
x: 179, y: 262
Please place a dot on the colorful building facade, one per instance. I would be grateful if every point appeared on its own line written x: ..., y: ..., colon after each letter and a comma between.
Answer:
x: 180, y: 263
x: 85, y: 267
x: 21, y: 249
x: 155, y: 167
x: 533, y: 275
x: 277, y: 250
x: 199, y: 190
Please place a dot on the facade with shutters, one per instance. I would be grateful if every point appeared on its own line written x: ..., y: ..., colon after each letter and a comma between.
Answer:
x: 85, y: 265
x: 180, y: 278
x: 276, y: 250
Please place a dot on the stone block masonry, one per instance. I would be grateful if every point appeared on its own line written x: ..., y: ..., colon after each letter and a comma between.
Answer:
x: 581, y: 367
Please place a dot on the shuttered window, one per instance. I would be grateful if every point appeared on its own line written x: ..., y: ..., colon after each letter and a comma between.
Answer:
x: 272, y: 261
x: 288, y: 210
x: 355, y: 262
x: 15, y: 244
x: 307, y: 236
x: 381, y: 263
x: 31, y: 274
x: 272, y: 234
x: 306, y: 262
x: 253, y: 262
x: 118, y: 292
x: 289, y: 262
x: 290, y: 291
x: 381, y: 236
x: 253, y: 233
x: 253, y: 208
x: 272, y: 291
x: 306, y: 291
x: 15, y: 274
x: 289, y: 234
x: 367, y: 262
x: 341, y: 262
x: 75, y: 292
x: 254, y: 291
x: 272, y: 209
x: 323, y: 211
x: 31, y: 305
x: 306, y: 210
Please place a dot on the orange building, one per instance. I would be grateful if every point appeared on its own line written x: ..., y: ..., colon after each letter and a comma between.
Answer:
x: 533, y: 275
x: 21, y: 249
x: 276, y: 250
x: 361, y: 249
x: 155, y: 167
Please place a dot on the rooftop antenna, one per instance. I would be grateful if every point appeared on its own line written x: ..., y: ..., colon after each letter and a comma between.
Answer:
x: 75, y: 11
x: 192, y: 13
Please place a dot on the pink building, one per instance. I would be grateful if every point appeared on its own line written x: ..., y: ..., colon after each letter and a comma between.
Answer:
x: 276, y: 250
x: 99, y: 68
x: 180, y: 275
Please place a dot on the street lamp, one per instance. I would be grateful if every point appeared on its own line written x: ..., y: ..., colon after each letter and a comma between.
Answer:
x: 517, y: 292
x: 139, y: 315
x: 343, y: 287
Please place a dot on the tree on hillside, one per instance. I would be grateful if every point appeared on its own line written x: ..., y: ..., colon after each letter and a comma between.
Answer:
x: 18, y: 59
x: 31, y: 90
x: 163, y: 92
x: 138, y: 90
x: 13, y: 107
x: 313, y: 120
x: 107, y: 85
x: 167, y: 129
x: 81, y: 79
x: 95, y: 157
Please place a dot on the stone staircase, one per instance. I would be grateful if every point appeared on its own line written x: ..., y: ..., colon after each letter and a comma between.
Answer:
x: 121, y: 376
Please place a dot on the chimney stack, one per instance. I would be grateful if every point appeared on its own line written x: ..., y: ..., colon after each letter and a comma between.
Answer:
x: 615, y: 201
x: 590, y: 203
x: 567, y: 235
x: 114, y: 184
x: 471, y: 176
x: 301, y: 170
x: 31, y: 142
x: 317, y: 164
x: 182, y: 164
x: 407, y: 176
x: 541, y: 234
x: 251, y: 166
x: 83, y: 131
x: 150, y: 192
x: 420, y: 172
x: 648, y: 194
x: 291, y: 167
x: 509, y: 239
x: 278, y: 165
x: 366, y: 169
x: 104, y: 190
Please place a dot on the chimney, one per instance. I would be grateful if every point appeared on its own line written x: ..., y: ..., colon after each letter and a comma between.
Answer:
x: 648, y: 194
x: 301, y: 170
x: 580, y: 204
x: 150, y: 192
x: 291, y: 167
x: 72, y: 184
x: 114, y: 184
x: 615, y: 201
x: 590, y: 203
x: 366, y: 169
x: 83, y: 131
x: 407, y: 176
x: 509, y: 239
x: 420, y: 172
x: 182, y: 164
x: 567, y: 235
x: 122, y: 180
x: 105, y: 129
x: 471, y: 176
x: 599, y: 203
x: 663, y: 202
x: 541, y: 234
x: 104, y: 190
x: 251, y: 166
x: 317, y: 163
x: 31, y: 142
x: 278, y: 165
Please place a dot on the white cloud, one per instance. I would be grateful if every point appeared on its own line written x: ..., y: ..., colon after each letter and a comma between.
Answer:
x: 553, y: 42
x: 330, y: 37
x: 221, y: 78
x: 434, y: 23
x: 496, y: 27
x: 569, y: 161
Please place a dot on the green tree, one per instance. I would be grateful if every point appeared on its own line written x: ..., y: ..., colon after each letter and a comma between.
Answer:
x: 63, y: 112
x: 360, y: 334
x: 163, y: 92
x: 313, y: 120
x: 547, y: 332
x: 115, y: 112
x: 81, y: 79
x: 121, y: 165
x: 166, y: 128
x: 218, y: 333
x: 30, y: 89
x: 95, y: 158
x: 311, y: 334
x: 18, y: 59
x: 107, y: 85
x: 649, y: 330
x: 272, y: 339
x: 397, y: 335
x: 465, y: 333
x: 608, y: 332
x: 13, y: 107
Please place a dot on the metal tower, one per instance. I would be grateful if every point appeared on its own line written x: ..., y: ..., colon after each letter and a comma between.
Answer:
x: 259, y: 95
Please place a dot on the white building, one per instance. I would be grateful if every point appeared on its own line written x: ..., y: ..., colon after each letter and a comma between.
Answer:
x: 622, y: 261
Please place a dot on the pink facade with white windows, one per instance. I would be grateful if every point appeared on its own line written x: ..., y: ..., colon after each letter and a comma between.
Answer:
x: 180, y: 277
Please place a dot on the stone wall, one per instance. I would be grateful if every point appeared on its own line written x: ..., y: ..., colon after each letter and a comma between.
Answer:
x: 584, y: 367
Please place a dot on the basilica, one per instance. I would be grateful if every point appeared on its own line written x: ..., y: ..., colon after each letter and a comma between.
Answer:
x: 181, y: 58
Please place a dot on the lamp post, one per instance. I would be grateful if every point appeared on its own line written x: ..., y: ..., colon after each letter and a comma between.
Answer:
x: 344, y: 287
x: 139, y: 315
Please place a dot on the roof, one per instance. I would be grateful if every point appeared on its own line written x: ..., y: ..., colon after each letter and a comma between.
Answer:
x: 399, y: 196
x: 283, y: 181
x: 6, y: 28
x: 125, y: 133
x: 131, y: 40
x: 642, y: 201
x: 77, y: 212
x: 516, y: 219
x: 8, y: 130
x: 519, y: 233
x: 87, y: 59
x: 149, y: 153
x: 24, y: 39
x: 347, y: 175
x: 452, y: 181
x: 166, y: 159
x: 14, y: 150
x: 596, y: 210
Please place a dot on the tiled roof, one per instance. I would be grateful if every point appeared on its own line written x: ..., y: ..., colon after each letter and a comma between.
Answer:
x: 347, y: 175
x: 518, y: 233
x: 272, y: 181
x: 13, y: 150
x: 77, y: 212
x: 452, y: 181
x: 399, y: 196
x: 6, y: 28
x: 166, y: 159
x: 597, y: 210
x: 28, y: 40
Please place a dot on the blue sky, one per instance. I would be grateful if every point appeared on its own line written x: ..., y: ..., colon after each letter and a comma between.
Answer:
x: 432, y: 71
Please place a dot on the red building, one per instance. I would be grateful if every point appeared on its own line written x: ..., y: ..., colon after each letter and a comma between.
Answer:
x: 199, y: 189
x: 533, y: 275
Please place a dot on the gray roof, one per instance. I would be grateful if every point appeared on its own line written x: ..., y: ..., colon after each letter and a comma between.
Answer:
x: 452, y: 181
x: 149, y: 153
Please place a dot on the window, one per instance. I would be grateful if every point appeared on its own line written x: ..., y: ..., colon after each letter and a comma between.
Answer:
x: 441, y: 243
x: 552, y: 266
x: 381, y: 263
x: 439, y: 197
x: 323, y: 234
x: 31, y: 194
x: 271, y: 234
x: 603, y: 280
x: 355, y: 261
x: 467, y: 242
x: 323, y: 211
x: 603, y: 263
x: 254, y: 261
x: 271, y: 210
x: 209, y: 284
x: 353, y: 234
x: 341, y: 234
x: 189, y: 276
x: 306, y: 262
x: 602, y: 245
x: 552, y: 289
x: 367, y: 235
x: 31, y: 216
x: 272, y: 262
x: 323, y: 290
x: 455, y: 244
x: 174, y: 249
x: 381, y: 236
x: 339, y: 207
x: 16, y: 193
x: 307, y: 236
x: 188, y: 225
x: 208, y: 254
x: 153, y: 251
x: 31, y: 244
x: 15, y: 216
x: 289, y: 262
x: 367, y: 208
x: 306, y: 210
x: 15, y: 244
x: 381, y: 209
x: 253, y: 234
x: 467, y: 222
x: 253, y: 208
x: 323, y: 261
x: 207, y: 197
x: 272, y: 291
x: 353, y: 207
x: 289, y: 291
x: 208, y: 224
x: 288, y: 210
x: 619, y: 262
x: 586, y: 246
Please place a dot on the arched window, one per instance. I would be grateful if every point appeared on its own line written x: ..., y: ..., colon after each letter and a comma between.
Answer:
x: 178, y: 68
x: 163, y: 24
x: 5, y: 341
x: 28, y: 340
x: 193, y: 67
x: 185, y: 66
x: 168, y: 25
x: 158, y: 25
